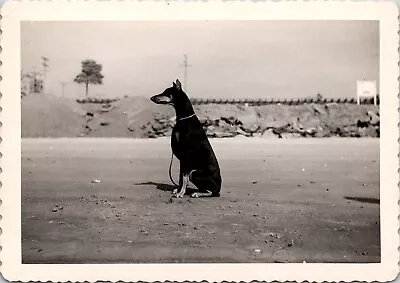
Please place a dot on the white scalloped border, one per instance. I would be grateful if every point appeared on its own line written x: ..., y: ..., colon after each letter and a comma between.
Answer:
x: 14, y: 11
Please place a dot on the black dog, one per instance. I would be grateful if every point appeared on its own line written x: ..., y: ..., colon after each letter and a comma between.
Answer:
x: 190, y: 145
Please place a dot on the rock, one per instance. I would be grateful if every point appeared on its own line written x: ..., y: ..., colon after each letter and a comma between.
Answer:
x: 289, y: 135
x: 223, y: 135
x: 368, y: 132
x: 318, y: 109
x: 232, y: 121
x: 374, y: 118
x: 89, y: 115
x: 269, y: 133
x: 240, y: 131
x: 251, y: 128
x: 274, y: 235
x: 277, y: 125
x: 310, y: 131
x: 323, y: 133
x: 158, y: 127
x: 143, y: 231
x: 362, y: 123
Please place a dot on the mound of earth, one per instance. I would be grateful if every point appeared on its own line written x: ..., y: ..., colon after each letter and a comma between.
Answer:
x: 46, y: 116
x: 138, y: 117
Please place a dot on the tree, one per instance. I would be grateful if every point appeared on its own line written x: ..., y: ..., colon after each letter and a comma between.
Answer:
x: 319, y: 97
x: 36, y: 85
x: 25, y: 83
x: 91, y: 74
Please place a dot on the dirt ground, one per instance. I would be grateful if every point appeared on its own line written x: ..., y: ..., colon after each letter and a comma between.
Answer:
x: 108, y: 201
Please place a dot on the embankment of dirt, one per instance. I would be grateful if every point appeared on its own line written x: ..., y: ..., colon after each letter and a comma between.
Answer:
x: 138, y: 117
x: 47, y: 116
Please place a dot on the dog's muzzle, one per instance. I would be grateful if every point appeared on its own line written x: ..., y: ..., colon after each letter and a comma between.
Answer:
x: 160, y: 99
x: 153, y: 98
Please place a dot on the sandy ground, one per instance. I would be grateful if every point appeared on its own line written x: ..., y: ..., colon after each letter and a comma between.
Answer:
x: 313, y: 200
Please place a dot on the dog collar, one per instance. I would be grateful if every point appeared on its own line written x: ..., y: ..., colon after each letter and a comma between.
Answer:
x: 184, y: 118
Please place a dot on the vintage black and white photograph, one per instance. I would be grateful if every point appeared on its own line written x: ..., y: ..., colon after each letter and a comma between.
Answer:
x: 276, y: 150
x: 202, y: 141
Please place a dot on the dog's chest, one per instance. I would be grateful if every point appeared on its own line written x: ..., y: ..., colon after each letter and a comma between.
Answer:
x: 186, y: 137
x: 179, y: 132
x: 175, y: 136
x: 175, y: 140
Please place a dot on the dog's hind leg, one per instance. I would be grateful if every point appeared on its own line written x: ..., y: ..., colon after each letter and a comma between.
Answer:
x: 203, y: 183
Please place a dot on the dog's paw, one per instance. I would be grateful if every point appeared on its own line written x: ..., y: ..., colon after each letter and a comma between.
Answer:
x: 179, y: 196
x: 175, y: 191
x: 195, y: 195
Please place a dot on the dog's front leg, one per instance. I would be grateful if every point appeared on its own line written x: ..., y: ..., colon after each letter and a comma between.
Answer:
x: 183, y: 186
x: 175, y: 191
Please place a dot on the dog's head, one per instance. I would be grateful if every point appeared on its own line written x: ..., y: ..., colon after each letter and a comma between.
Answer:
x: 170, y: 95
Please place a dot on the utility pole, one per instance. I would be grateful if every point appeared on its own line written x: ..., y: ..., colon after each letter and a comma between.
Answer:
x: 35, y: 87
x: 45, y: 66
x: 185, y: 65
x: 63, y: 84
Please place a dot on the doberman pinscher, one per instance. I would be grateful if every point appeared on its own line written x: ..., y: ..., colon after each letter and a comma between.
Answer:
x: 189, y: 142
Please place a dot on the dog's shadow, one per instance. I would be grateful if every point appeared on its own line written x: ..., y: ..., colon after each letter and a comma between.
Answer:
x: 159, y: 186
x: 165, y: 187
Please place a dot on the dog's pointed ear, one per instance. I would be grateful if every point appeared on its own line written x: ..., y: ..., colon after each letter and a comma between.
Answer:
x: 178, y: 85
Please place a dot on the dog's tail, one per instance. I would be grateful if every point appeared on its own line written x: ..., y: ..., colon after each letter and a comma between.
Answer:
x: 170, y: 165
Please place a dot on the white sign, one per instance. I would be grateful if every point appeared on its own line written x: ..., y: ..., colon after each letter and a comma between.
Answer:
x: 366, y: 89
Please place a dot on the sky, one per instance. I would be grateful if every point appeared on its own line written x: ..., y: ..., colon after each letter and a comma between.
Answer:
x: 229, y: 59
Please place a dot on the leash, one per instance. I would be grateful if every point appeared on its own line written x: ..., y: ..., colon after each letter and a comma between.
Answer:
x: 172, y: 155
x: 170, y: 165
